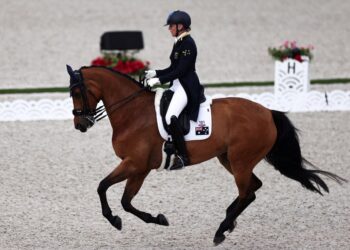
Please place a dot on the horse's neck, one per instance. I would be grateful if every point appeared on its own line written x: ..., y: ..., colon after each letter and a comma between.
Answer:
x: 115, y: 88
x: 125, y: 111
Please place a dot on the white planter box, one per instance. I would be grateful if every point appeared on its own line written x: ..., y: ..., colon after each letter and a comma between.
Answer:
x: 291, y: 78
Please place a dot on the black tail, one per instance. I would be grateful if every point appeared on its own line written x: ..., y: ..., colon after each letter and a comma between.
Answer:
x: 286, y: 157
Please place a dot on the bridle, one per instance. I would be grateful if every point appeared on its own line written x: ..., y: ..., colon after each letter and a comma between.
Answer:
x: 91, y: 114
x: 77, y: 81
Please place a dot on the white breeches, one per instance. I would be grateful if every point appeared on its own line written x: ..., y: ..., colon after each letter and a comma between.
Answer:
x: 178, y: 102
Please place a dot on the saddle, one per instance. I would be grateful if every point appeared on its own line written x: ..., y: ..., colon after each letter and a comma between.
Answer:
x: 183, y: 117
x: 199, y: 130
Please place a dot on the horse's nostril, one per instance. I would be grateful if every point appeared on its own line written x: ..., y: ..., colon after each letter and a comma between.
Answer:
x: 80, y: 127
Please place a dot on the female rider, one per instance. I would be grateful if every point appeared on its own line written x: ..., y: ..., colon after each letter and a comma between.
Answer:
x: 184, y: 82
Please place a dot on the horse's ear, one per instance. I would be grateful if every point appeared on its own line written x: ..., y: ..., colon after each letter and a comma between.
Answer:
x: 70, y: 71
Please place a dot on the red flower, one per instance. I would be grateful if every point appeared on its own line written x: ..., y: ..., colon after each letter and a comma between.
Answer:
x: 298, y: 58
x: 99, y: 61
x: 121, y: 67
x: 137, y: 65
x: 127, y: 65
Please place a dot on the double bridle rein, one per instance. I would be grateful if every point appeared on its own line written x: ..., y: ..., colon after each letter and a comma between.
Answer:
x: 91, y: 114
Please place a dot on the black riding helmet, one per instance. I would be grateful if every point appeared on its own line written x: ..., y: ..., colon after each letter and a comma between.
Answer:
x: 179, y: 17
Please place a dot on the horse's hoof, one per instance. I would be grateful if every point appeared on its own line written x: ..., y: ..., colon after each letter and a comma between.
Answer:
x: 232, y: 227
x: 117, y: 222
x: 218, y: 239
x: 162, y: 220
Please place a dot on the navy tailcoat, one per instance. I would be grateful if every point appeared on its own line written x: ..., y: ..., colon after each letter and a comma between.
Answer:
x: 182, y: 67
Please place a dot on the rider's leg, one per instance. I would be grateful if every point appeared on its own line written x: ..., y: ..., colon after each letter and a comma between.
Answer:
x: 177, y: 104
x: 179, y: 142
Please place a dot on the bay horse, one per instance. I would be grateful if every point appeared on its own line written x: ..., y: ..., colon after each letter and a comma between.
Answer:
x: 243, y: 134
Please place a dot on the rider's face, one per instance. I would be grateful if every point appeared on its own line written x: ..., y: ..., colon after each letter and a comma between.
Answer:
x: 172, y: 29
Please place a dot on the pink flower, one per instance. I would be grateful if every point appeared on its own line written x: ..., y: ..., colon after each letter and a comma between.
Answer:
x: 293, y: 44
x: 286, y: 44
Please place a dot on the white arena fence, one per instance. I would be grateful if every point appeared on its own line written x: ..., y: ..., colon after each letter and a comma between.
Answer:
x: 47, y: 109
x: 291, y: 94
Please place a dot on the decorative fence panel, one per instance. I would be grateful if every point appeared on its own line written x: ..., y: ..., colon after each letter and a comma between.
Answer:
x: 46, y: 109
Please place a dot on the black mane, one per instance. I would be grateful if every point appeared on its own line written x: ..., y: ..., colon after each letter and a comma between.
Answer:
x: 139, y: 83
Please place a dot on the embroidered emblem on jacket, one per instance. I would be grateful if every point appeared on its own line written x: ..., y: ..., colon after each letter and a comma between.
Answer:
x: 186, y: 52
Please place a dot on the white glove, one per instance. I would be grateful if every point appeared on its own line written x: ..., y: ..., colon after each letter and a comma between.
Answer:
x: 153, y: 81
x: 150, y: 74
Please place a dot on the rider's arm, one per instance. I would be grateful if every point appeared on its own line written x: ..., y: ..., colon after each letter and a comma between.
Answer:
x: 161, y: 72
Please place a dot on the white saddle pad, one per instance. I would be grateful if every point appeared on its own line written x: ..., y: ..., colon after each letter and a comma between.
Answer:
x: 199, y: 130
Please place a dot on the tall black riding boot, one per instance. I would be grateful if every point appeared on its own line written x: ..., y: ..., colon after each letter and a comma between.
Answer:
x: 178, y: 138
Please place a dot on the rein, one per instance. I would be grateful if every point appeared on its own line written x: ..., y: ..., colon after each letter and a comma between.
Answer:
x: 100, y: 110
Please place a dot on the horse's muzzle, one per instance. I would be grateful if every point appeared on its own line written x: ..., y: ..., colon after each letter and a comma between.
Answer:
x: 81, y: 127
x: 84, y: 123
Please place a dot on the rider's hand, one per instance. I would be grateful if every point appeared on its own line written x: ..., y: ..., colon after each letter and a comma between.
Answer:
x: 150, y: 74
x: 153, y: 81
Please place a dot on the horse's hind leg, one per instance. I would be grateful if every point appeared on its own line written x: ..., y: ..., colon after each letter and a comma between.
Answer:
x: 225, y: 162
x: 247, y: 184
x: 133, y: 185
x: 255, y: 185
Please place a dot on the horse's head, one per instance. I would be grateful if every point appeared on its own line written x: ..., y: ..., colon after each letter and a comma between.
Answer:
x: 85, y: 99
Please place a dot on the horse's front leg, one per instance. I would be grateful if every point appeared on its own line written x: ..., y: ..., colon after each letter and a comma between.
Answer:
x: 133, y: 185
x: 117, y: 175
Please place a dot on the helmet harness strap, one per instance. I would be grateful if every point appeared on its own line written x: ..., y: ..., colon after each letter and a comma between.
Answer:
x: 178, y: 30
